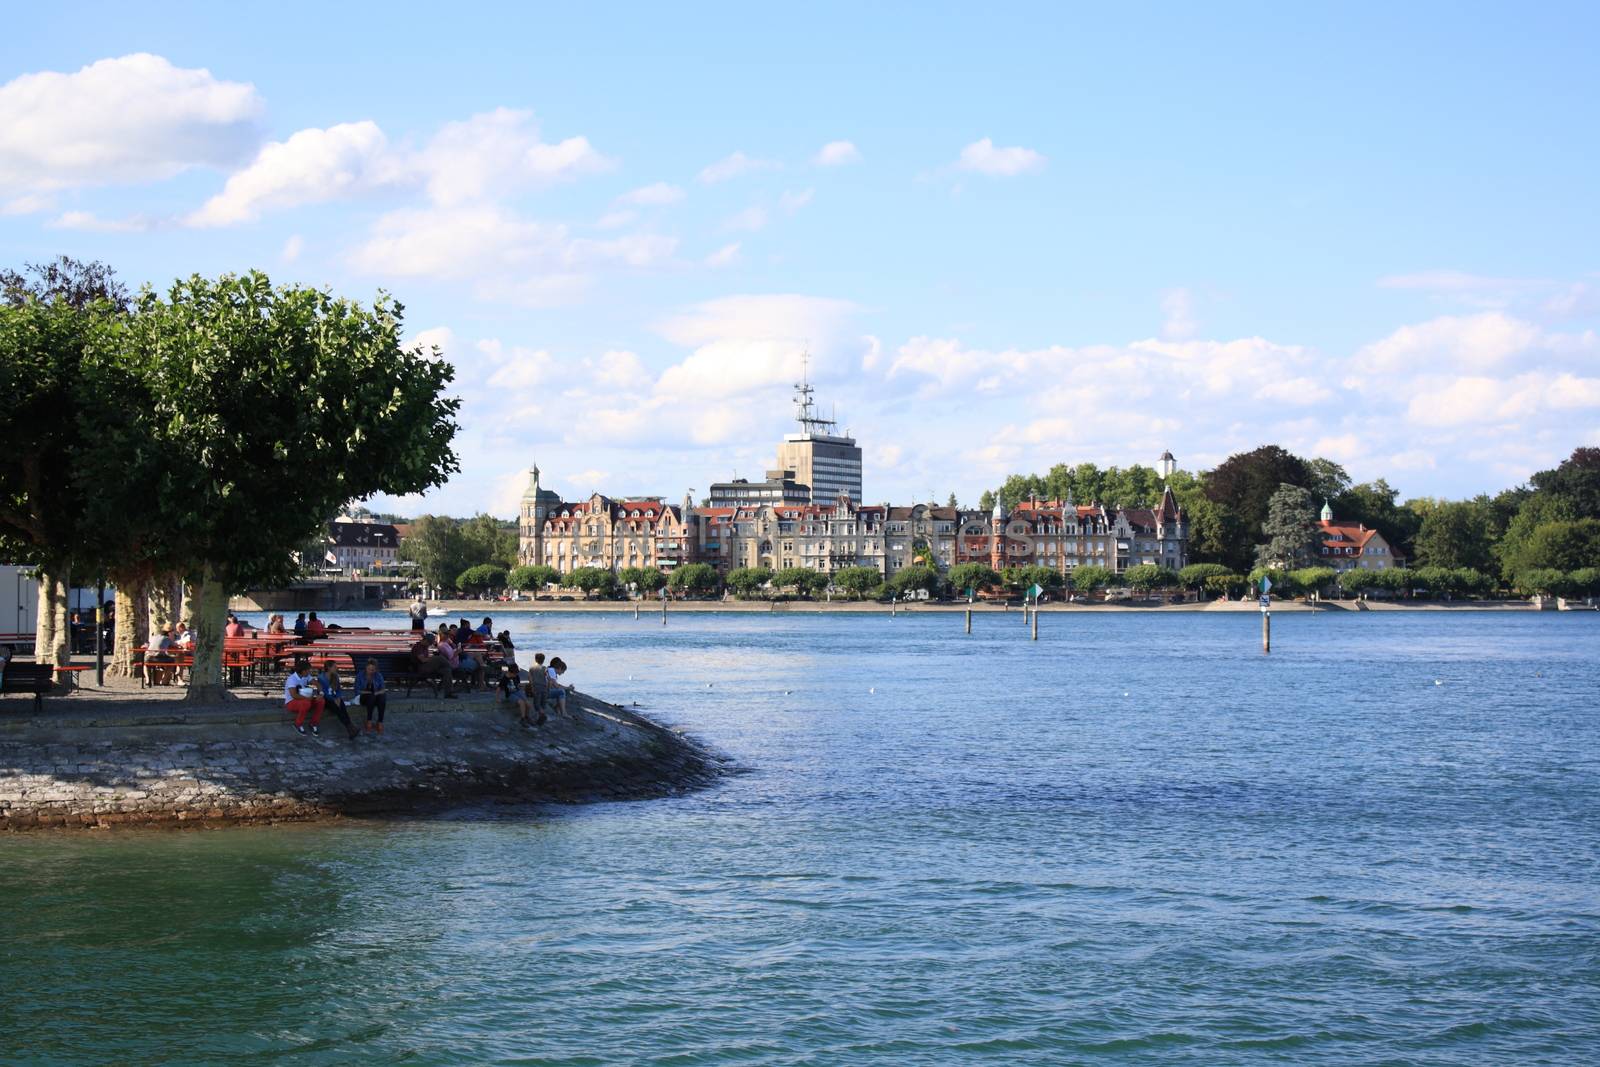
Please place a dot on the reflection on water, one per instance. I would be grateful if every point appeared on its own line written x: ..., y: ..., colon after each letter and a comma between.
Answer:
x: 1135, y: 840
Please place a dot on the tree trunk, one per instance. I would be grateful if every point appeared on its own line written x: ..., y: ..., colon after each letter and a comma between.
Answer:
x: 162, y: 604
x: 209, y: 615
x: 132, y: 624
x: 53, y: 635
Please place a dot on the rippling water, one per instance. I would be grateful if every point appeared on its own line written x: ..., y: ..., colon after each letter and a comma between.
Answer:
x: 1137, y: 840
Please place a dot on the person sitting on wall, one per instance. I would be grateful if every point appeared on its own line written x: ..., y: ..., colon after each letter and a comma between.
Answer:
x: 373, y: 697
x: 332, y: 687
x: 558, y: 692
x: 538, y: 685
x: 427, y: 663
x: 459, y: 663
x: 302, y: 696
x: 314, y: 626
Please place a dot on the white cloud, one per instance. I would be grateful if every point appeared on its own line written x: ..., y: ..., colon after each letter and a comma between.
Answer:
x: 1177, y: 305
x: 615, y: 220
x: 499, y: 151
x: 732, y: 166
x: 465, y: 162
x: 983, y: 157
x: 751, y: 219
x: 1479, y: 400
x: 745, y: 343
x: 725, y: 256
x: 292, y: 248
x: 618, y: 370
x: 653, y: 195
x: 836, y: 154
x: 130, y: 119
x: 1294, y: 391
x: 310, y: 167
x: 792, y: 201
x: 440, y: 337
x: 1476, y: 341
x: 92, y: 223
x: 32, y: 204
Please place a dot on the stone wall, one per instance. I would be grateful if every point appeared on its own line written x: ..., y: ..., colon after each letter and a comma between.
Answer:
x: 246, y: 763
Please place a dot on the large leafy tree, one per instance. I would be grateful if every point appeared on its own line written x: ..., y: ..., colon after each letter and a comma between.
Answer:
x: 260, y: 411
x: 973, y: 576
x: 1575, y: 482
x: 1240, y: 488
x: 436, y: 545
x: 1290, y: 529
x: 532, y: 577
x: 1091, y: 577
x: 917, y: 578
x: 482, y: 578
x: 487, y: 539
x: 1456, y: 533
x: 694, y: 579
x: 1563, y: 546
x: 52, y: 317
x: 857, y: 581
x: 1373, y: 504
x: 745, y: 581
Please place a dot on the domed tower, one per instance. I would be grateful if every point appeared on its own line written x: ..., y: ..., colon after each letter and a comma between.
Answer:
x: 997, y: 533
x: 1327, y: 512
x: 1168, y: 465
x: 536, y: 504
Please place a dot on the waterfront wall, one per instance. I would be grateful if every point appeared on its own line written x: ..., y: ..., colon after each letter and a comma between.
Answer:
x: 246, y: 764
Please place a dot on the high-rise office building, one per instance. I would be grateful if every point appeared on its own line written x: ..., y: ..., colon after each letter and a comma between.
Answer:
x: 819, y: 455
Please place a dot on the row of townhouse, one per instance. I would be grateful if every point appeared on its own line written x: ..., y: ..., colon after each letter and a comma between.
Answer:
x: 648, y: 532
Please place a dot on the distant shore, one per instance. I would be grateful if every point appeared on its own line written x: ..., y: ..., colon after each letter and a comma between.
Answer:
x: 477, y: 609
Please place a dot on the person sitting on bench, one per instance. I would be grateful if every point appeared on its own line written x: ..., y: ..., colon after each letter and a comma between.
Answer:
x: 426, y: 662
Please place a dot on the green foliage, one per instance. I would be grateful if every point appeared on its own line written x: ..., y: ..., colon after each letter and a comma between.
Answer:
x: 745, y: 581
x: 1147, y: 577
x: 532, y: 577
x: 802, y: 580
x: 1357, y: 580
x: 1456, y: 533
x: 1240, y: 488
x: 857, y: 581
x: 1540, y: 581
x: 1228, y: 585
x: 1575, y: 483
x: 592, y: 580
x: 1585, y: 581
x: 1328, y: 480
x: 974, y: 576
x: 1089, y: 578
x: 644, y: 580
x: 694, y: 579
x: 914, y: 579
x: 490, y: 540
x: 1020, y: 579
x: 1135, y: 486
x: 1313, y: 579
x: 1563, y: 546
x: 1372, y: 504
x: 436, y: 546
x: 1195, y: 575
x: 1290, y: 528
x: 483, y: 578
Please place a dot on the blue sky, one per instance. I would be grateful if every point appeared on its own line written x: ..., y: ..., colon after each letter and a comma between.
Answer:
x: 1007, y: 239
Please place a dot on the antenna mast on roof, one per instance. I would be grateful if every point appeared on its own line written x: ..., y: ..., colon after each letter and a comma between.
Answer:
x: 805, y: 403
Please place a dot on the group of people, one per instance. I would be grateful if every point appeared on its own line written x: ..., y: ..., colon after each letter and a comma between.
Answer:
x: 543, y: 686
x: 308, y: 693
x: 161, y: 663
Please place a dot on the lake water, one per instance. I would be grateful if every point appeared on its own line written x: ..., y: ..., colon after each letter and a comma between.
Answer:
x: 1137, y: 840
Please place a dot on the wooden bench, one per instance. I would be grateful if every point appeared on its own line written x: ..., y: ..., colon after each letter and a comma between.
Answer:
x: 35, y: 678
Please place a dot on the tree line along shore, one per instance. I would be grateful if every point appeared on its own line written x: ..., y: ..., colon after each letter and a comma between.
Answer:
x: 186, y: 445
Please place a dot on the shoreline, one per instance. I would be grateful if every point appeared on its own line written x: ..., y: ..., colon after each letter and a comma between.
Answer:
x: 476, y: 609
x: 95, y: 762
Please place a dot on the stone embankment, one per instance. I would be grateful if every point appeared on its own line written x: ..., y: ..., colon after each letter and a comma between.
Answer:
x: 90, y: 763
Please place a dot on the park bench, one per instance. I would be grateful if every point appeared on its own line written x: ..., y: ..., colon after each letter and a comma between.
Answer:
x: 35, y: 678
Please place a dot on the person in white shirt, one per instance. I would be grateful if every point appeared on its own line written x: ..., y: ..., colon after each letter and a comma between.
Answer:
x: 302, y: 696
x: 558, y: 692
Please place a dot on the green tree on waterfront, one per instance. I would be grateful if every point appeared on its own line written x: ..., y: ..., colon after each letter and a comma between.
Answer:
x: 439, y: 550
x: 532, y: 577
x: 645, y: 580
x: 54, y: 316
x: 1290, y: 528
x: 592, y: 580
x: 1240, y: 488
x: 1020, y: 579
x: 975, y: 577
x: 803, y: 580
x: 915, y: 579
x: 1148, y: 577
x: 746, y: 581
x: 857, y: 581
x: 233, y: 417
x: 1195, y: 575
x: 694, y: 579
x: 1088, y: 579
x: 1455, y: 533
x: 483, y: 578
